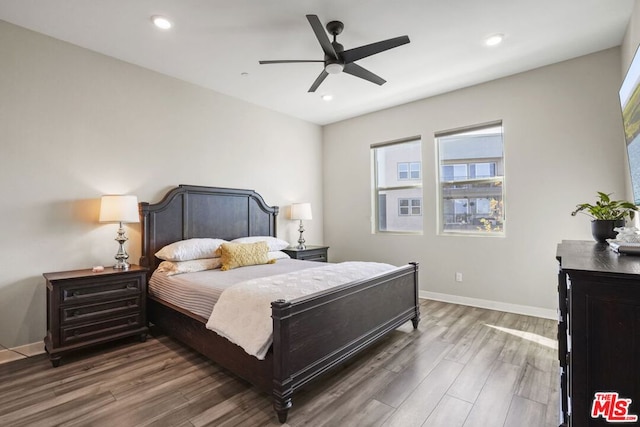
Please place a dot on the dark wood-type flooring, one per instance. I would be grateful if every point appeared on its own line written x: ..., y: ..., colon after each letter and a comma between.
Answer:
x: 464, y: 366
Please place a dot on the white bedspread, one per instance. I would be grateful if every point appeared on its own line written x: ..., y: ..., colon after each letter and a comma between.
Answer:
x: 243, y: 312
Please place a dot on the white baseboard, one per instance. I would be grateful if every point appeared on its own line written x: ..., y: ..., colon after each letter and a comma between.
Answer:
x: 7, y: 356
x: 21, y: 352
x: 545, y: 313
x: 29, y: 350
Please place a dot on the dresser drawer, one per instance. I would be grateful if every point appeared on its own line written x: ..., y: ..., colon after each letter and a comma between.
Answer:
x: 101, y: 310
x: 87, y: 332
x: 102, y: 289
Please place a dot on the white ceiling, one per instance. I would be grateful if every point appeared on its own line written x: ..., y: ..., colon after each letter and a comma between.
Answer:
x: 214, y: 42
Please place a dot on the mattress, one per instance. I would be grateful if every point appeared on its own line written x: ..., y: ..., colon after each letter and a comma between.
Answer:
x: 198, y: 292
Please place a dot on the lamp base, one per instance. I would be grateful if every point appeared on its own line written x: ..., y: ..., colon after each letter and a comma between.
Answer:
x: 301, y: 244
x: 122, y: 265
x: 122, y: 255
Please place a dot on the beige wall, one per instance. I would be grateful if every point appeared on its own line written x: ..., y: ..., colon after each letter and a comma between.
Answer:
x: 75, y: 125
x: 560, y: 123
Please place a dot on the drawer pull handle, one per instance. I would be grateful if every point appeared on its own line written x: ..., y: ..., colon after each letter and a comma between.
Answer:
x: 76, y: 313
x: 75, y: 294
x: 130, y: 286
x: 76, y: 333
x: 131, y: 322
x: 130, y: 303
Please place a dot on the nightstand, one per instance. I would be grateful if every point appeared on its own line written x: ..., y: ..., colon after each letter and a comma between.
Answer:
x: 311, y: 253
x: 86, y: 308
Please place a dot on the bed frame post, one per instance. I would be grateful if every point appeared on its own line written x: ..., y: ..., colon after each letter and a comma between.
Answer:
x: 416, y: 286
x: 282, y: 382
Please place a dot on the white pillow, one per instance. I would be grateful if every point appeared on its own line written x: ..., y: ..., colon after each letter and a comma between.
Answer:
x: 277, y: 255
x: 186, y: 250
x: 179, y: 267
x: 274, y: 243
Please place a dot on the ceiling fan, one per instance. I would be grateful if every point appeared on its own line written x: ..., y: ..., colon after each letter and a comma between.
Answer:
x: 336, y: 59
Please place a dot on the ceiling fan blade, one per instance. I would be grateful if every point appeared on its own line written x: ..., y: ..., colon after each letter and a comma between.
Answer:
x: 322, y: 37
x: 363, y: 73
x: 287, y: 61
x: 323, y: 75
x: 373, y: 48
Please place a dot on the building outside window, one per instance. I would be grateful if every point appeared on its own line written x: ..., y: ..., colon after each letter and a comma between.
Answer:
x: 397, y: 186
x: 409, y: 207
x: 409, y: 170
x: 471, y: 180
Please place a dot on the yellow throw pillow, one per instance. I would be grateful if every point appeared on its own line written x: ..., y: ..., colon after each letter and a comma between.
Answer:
x: 235, y: 255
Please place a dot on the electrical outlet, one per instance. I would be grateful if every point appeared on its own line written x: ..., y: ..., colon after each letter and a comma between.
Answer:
x: 458, y: 277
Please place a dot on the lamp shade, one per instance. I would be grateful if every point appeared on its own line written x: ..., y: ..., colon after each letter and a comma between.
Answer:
x: 301, y: 211
x: 119, y: 209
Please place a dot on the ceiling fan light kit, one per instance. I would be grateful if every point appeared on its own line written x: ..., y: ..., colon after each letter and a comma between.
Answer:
x: 336, y: 59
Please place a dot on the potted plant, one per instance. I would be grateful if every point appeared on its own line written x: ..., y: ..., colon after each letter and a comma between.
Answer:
x: 607, y: 214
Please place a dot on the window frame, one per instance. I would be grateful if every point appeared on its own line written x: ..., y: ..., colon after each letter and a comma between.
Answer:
x: 457, y: 183
x: 407, y: 184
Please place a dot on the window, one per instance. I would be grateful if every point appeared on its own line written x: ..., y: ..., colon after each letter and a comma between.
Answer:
x: 409, y: 170
x: 409, y: 207
x: 397, y: 186
x: 471, y: 178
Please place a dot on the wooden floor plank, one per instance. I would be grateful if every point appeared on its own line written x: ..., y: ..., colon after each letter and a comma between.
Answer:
x: 415, y: 410
x: 450, y: 412
x: 394, y: 393
x: 492, y: 405
x: 525, y: 409
x: 463, y: 366
x: 472, y: 379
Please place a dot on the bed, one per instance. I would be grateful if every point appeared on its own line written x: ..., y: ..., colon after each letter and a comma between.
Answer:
x: 311, y: 334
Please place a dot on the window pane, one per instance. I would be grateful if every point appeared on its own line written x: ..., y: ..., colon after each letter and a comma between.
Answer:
x: 397, y: 175
x: 454, y: 172
x: 403, y: 170
x: 471, y: 181
x: 484, y: 170
x: 416, y: 207
x: 415, y: 170
x: 482, y: 206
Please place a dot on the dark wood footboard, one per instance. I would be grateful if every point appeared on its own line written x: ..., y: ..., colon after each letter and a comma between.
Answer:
x: 314, y: 334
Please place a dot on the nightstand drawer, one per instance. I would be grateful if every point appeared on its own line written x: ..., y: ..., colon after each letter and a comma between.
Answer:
x: 314, y: 255
x: 101, y: 289
x: 309, y: 253
x: 94, y: 330
x: 92, y: 312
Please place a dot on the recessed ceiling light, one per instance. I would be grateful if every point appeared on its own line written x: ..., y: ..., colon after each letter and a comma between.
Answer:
x: 327, y: 97
x: 161, y: 22
x: 494, y: 39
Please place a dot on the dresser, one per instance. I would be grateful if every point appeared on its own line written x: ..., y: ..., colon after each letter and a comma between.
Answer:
x: 598, y: 333
x: 86, y: 308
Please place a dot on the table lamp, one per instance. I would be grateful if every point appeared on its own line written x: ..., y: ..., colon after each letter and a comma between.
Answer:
x: 301, y: 211
x: 120, y: 209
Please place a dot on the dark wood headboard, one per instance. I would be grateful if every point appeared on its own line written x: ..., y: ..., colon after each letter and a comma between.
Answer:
x: 190, y: 211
